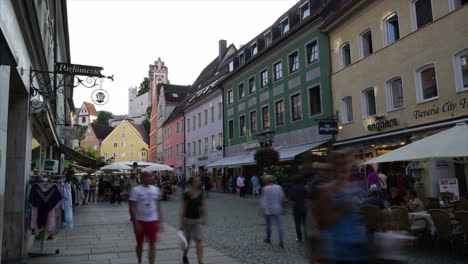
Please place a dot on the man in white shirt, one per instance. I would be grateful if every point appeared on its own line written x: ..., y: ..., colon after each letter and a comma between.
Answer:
x: 145, y: 214
x: 86, y: 185
x: 271, y: 201
x: 241, y: 185
x: 383, y: 182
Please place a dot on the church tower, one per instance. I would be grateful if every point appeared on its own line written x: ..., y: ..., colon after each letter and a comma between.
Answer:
x: 157, y: 74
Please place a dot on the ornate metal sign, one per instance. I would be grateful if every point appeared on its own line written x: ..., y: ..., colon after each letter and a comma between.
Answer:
x: 100, y: 97
x: 76, y: 69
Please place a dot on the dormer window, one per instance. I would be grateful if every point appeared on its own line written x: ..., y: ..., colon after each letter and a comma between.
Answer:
x: 268, y: 38
x: 241, y: 58
x: 284, y: 25
x: 253, y: 49
x: 231, y: 66
x: 305, y: 10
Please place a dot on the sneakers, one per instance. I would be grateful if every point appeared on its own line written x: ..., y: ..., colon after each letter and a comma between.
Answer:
x: 268, y: 241
x: 185, y: 260
x: 281, y: 244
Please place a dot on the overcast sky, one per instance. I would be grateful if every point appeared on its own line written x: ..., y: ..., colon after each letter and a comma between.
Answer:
x: 125, y: 37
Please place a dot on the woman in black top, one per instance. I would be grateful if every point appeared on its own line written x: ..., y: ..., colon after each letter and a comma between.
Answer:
x: 192, y: 215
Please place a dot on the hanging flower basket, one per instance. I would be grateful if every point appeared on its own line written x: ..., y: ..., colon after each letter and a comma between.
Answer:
x: 266, y: 157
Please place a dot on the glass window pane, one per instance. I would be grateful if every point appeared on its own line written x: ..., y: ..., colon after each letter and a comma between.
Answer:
x: 346, y: 53
x: 423, y: 12
x: 315, y: 101
x: 464, y: 69
x: 429, y: 84
x: 296, y: 107
x: 371, y: 109
x: 397, y: 94
x: 349, y: 108
x: 393, y: 29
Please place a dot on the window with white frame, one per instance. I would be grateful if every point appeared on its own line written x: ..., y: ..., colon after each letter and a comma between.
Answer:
x: 206, y: 145
x: 181, y: 125
x: 114, y: 154
x: 241, y: 91
x: 253, y: 121
x: 188, y: 149
x: 391, y: 28
x: 315, y: 101
x: 264, y: 78
x: 305, y: 10
x: 296, y: 107
x: 177, y: 127
x: 199, y: 120
x: 199, y: 147
x: 293, y: 60
x: 132, y: 144
x: 230, y: 97
x: 242, y: 126
x: 252, y: 86
x: 132, y: 154
x: 394, y: 93
x: 365, y: 43
x: 368, y: 102
x: 116, y: 145
x: 122, y: 144
x: 231, y: 129
x: 253, y: 49
x: 421, y: 12
x: 105, y: 154
x: 220, y: 110
x: 213, y: 143
x: 284, y: 25
x: 279, y: 113
x: 268, y: 38
x: 95, y: 147
x: 426, y: 83
x: 347, y: 115
x: 206, y: 117
x: 231, y: 66
x: 122, y: 154
x: 460, y: 63
x: 345, y: 55
x: 312, y: 53
x: 188, y: 124
x: 265, y: 117
x: 278, y: 71
x: 220, y: 139
x: 122, y: 134
x: 241, y: 58
x: 454, y: 4
x: 194, y: 122
x: 194, y: 148
x: 177, y: 149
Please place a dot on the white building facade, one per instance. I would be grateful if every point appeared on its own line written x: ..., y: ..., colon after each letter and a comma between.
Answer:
x: 137, y: 105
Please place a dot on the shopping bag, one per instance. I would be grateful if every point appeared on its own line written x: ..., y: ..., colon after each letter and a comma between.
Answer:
x: 182, y: 240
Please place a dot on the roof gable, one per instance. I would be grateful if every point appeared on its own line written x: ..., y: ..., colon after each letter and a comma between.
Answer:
x: 101, y: 131
x: 134, y: 128
x: 87, y: 109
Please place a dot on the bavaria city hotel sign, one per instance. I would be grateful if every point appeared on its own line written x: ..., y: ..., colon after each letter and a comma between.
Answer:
x: 76, y: 69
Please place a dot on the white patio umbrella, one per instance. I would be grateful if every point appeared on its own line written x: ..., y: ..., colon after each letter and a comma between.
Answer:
x: 115, y: 167
x: 158, y: 167
x: 140, y: 163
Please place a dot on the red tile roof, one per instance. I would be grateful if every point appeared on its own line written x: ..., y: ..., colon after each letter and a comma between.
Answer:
x: 91, y: 108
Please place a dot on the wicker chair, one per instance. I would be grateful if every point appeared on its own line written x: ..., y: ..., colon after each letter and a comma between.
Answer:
x: 461, y: 205
x: 402, y: 221
x: 370, y: 216
x: 431, y: 203
x: 462, y: 217
x: 444, y: 228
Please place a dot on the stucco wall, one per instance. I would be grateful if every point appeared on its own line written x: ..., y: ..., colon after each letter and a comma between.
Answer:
x: 177, y: 138
x: 132, y: 143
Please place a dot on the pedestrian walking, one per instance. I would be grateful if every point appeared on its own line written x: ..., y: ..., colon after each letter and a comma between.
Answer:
x: 206, y: 184
x: 86, y: 187
x: 272, y: 204
x: 116, y: 189
x: 192, y: 216
x: 146, y: 215
x: 255, y: 186
x: 92, y: 191
x: 100, y: 187
x: 241, y: 185
x: 297, y: 195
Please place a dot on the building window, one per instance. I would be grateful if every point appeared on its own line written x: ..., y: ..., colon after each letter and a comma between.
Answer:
x: 206, y: 145
x: 177, y: 149
x: 242, y: 128
x: 279, y: 113
x: 199, y: 147
x: 95, y: 147
x: 296, y: 107
x: 220, y: 138
x: 347, y: 110
x: 394, y: 94
x: 132, y: 154
x: 116, y: 145
x: 241, y: 58
x: 454, y: 4
x: 345, y: 55
x: 220, y: 110
x: 194, y: 122
x: 122, y: 154
x: 315, y: 101
x: 199, y: 120
x: 278, y: 71
x: 194, y: 148
x: 421, y: 12
x: 231, y: 129
x: 241, y: 91
x: 230, y: 97
x: 460, y: 62
x: 188, y: 124
x: 368, y: 102
x: 305, y: 10
x: 177, y: 127
x: 253, y: 49
x: 264, y: 78
x: 293, y: 62
x: 231, y: 66
x: 206, y: 117
x: 83, y: 119
x: 265, y: 117
x: 252, y: 86
x: 253, y: 122
x: 188, y: 149
x: 105, y: 154
x: 391, y: 28
x: 213, y: 143
x: 284, y: 25
x: 122, y: 144
x: 312, y: 52
x: 132, y: 144
x: 426, y: 83
x: 212, y: 114
x: 268, y: 38
x: 365, y: 43
x: 181, y: 125
x: 114, y: 154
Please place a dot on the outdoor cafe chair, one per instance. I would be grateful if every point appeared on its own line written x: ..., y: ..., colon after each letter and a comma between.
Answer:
x: 370, y: 216
x: 461, y: 205
x: 431, y: 203
x: 402, y: 221
x: 444, y: 227
x: 462, y: 217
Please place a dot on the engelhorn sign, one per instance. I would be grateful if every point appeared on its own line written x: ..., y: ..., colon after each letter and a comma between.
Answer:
x: 381, y: 124
x: 66, y: 68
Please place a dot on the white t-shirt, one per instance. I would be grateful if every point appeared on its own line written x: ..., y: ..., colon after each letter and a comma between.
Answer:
x: 145, y: 197
x: 86, y: 184
x: 383, y: 180
x: 272, y: 199
x: 240, y: 182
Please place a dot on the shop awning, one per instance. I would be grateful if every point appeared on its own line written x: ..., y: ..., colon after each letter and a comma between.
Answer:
x: 78, y: 157
x: 234, y: 161
x: 288, y: 153
x: 81, y: 167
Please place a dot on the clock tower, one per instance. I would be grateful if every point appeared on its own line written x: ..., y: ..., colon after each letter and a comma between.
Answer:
x: 157, y: 74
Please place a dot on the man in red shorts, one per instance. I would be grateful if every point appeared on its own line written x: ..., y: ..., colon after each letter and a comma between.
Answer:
x: 146, y: 214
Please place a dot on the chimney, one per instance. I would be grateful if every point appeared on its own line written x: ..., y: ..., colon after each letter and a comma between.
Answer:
x: 222, y: 49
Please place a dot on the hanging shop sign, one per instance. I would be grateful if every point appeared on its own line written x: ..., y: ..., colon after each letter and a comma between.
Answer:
x: 100, y: 97
x: 328, y: 127
x: 67, y: 133
x: 76, y: 69
x: 51, y: 166
x: 382, y: 124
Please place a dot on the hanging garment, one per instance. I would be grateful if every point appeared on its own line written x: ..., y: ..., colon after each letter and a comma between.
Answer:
x: 44, y: 200
x: 67, y: 206
x: 27, y: 207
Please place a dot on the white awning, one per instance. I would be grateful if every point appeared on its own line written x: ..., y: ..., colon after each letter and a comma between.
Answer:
x: 288, y: 153
x: 234, y: 161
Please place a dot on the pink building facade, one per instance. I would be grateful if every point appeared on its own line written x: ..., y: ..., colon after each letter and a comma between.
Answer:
x: 174, y: 142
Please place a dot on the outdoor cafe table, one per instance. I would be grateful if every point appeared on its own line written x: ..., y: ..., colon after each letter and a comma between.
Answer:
x: 427, y: 216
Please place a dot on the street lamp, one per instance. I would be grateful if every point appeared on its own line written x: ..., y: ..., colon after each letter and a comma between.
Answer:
x: 266, y: 138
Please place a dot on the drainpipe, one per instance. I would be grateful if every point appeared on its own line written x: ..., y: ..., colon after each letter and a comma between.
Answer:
x: 222, y: 122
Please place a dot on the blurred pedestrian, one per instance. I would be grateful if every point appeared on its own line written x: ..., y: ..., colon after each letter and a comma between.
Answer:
x: 192, y: 215
x: 92, y: 191
x: 241, y: 185
x: 297, y: 195
x: 116, y: 190
x: 395, y: 199
x: 101, y: 187
x: 255, y: 186
x: 146, y: 215
x: 271, y: 201
x: 206, y: 184
x: 383, y: 182
x: 86, y: 187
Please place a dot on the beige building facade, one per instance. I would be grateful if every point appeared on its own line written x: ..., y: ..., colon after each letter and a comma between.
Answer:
x: 399, y: 73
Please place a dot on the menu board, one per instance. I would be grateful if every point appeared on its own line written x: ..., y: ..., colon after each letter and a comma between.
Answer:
x: 450, y: 185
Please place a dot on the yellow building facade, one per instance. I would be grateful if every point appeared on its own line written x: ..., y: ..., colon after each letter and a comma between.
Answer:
x: 126, y: 142
x: 399, y: 73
